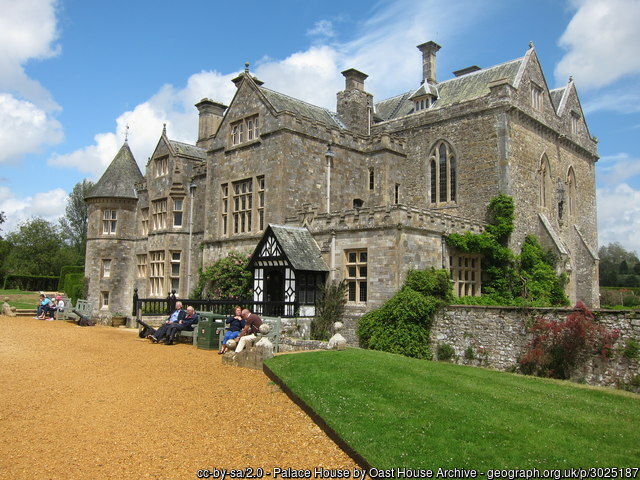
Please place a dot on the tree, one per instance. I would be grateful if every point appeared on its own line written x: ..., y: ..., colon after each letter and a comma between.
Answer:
x: 226, y: 278
x: 37, y: 248
x: 76, y: 217
x: 614, y: 265
x: 2, y: 218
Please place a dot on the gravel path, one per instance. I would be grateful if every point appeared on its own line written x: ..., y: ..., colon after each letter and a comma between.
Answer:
x: 99, y: 402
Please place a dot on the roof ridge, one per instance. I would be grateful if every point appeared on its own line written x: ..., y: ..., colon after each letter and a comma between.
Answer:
x: 481, y: 71
x: 297, y: 99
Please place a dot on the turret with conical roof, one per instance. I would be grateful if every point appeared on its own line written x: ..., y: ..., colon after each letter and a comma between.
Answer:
x: 111, y: 233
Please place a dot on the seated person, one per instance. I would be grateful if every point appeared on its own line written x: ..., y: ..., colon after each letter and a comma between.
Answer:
x: 56, y: 305
x: 190, y: 320
x: 250, y: 330
x: 177, y: 315
x: 43, y: 307
x: 236, y: 324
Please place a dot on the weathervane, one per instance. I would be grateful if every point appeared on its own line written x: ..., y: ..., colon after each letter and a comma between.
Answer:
x: 126, y: 134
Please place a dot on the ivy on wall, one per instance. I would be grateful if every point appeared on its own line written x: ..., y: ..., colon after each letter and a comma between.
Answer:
x: 528, y: 279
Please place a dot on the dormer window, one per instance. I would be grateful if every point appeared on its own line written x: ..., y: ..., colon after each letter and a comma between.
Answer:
x: 423, y: 103
x: 245, y: 130
x: 161, y: 166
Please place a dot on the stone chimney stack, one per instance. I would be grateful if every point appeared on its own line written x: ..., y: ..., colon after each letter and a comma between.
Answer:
x: 211, y: 114
x: 354, y: 104
x: 429, y: 51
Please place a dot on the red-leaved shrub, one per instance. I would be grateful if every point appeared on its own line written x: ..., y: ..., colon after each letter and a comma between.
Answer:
x: 557, y: 346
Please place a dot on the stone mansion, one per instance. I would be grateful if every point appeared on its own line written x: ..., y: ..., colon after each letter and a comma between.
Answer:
x: 364, y: 194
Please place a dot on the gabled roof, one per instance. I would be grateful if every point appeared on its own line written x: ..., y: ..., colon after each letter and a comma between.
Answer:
x: 118, y: 180
x: 556, y: 96
x: 296, y: 244
x: 282, y: 102
x: 455, y: 90
x: 188, y: 150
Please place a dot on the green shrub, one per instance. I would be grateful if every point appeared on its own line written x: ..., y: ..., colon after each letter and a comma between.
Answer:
x: 330, y: 306
x: 436, y: 283
x: 468, y: 353
x: 401, y: 325
x: 64, y: 271
x: 228, y: 277
x: 30, y: 283
x: 445, y: 352
x: 631, y: 349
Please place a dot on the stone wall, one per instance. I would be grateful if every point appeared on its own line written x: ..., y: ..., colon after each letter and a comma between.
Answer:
x: 497, y: 337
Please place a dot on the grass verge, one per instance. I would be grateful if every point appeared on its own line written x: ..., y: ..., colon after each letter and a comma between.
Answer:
x: 20, y: 298
x: 396, y: 411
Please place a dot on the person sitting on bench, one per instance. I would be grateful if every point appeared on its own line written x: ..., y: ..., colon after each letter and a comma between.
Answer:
x: 236, y: 324
x: 178, y: 315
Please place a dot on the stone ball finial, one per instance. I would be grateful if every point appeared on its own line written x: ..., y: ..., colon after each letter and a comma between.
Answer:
x: 231, y: 344
x: 246, y: 67
x: 6, y: 299
x: 337, y: 326
x: 265, y: 328
x: 531, y: 44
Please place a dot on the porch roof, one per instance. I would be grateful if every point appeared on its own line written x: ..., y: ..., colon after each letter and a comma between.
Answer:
x: 300, y: 247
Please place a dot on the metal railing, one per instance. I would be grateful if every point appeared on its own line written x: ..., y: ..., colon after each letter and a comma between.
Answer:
x: 164, y: 306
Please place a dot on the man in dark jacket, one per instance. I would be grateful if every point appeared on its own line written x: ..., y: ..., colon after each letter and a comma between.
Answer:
x: 176, y: 318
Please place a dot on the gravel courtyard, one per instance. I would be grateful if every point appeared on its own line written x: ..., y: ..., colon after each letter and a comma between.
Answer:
x: 99, y: 402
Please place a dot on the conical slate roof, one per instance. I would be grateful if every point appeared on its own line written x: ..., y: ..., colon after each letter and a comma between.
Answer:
x: 118, y: 180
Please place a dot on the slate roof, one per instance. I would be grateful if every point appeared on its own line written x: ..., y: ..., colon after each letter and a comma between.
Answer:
x: 282, y: 102
x: 455, y: 90
x: 118, y: 180
x: 188, y: 150
x: 556, y: 96
x: 300, y: 248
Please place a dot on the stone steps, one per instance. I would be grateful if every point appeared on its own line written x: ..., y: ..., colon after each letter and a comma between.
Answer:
x: 25, y: 312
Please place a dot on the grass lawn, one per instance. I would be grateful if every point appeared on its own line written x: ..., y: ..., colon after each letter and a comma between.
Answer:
x: 20, y: 298
x: 401, y: 412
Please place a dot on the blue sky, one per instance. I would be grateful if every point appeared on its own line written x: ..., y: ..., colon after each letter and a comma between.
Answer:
x: 74, y: 73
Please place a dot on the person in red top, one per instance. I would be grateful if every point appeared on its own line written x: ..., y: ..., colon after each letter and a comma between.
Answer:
x: 251, y: 328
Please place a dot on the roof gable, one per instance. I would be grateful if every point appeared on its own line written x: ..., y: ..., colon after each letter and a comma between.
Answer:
x: 281, y: 243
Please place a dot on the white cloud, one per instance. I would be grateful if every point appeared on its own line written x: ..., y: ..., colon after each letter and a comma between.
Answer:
x: 48, y: 205
x: 599, y: 29
x: 25, y: 128
x: 619, y: 216
x: 619, y: 100
x: 617, y: 169
x: 27, y: 31
x: 322, y: 29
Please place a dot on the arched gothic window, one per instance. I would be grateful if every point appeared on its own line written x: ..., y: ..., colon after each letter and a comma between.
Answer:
x: 571, y: 192
x: 544, y: 182
x: 442, y: 170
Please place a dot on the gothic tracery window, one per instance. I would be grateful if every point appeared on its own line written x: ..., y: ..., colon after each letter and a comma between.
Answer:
x: 443, y: 173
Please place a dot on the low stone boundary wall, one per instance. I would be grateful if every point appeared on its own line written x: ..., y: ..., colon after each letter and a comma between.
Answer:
x: 497, y: 337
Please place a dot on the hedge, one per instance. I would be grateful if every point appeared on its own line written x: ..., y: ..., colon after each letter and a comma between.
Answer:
x: 74, y: 286
x: 68, y: 269
x: 30, y: 283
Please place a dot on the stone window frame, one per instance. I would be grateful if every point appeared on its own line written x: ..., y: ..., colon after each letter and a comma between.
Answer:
x: 104, y: 300
x: 575, y: 122
x: 423, y: 103
x: 105, y: 268
x: 224, y: 207
x: 178, y: 211
x: 109, y: 221
x: 466, y: 274
x: 545, y: 183
x: 156, y: 273
x: 396, y: 194
x: 537, y: 102
x: 356, y: 275
x: 242, y: 205
x: 144, y: 221
x: 244, y: 130
x: 372, y: 178
x: 159, y: 214
x: 260, y: 181
x: 161, y: 166
x: 571, y: 192
x: 141, y: 263
x: 443, y: 173
x: 175, y: 259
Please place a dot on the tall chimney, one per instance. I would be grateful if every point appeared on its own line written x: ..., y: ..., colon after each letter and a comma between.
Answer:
x: 211, y: 114
x: 354, y: 104
x: 429, y: 51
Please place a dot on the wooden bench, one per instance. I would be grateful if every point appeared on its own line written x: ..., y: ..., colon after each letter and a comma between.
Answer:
x: 85, y: 307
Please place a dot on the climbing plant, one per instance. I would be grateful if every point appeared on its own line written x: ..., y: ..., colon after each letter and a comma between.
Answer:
x: 528, y: 279
x: 226, y: 278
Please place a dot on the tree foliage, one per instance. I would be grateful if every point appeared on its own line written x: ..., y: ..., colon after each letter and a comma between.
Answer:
x: 618, y: 266
x: 403, y: 323
x: 37, y: 248
x: 509, y: 279
x: 75, y: 221
x: 330, y: 306
x: 228, y: 277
